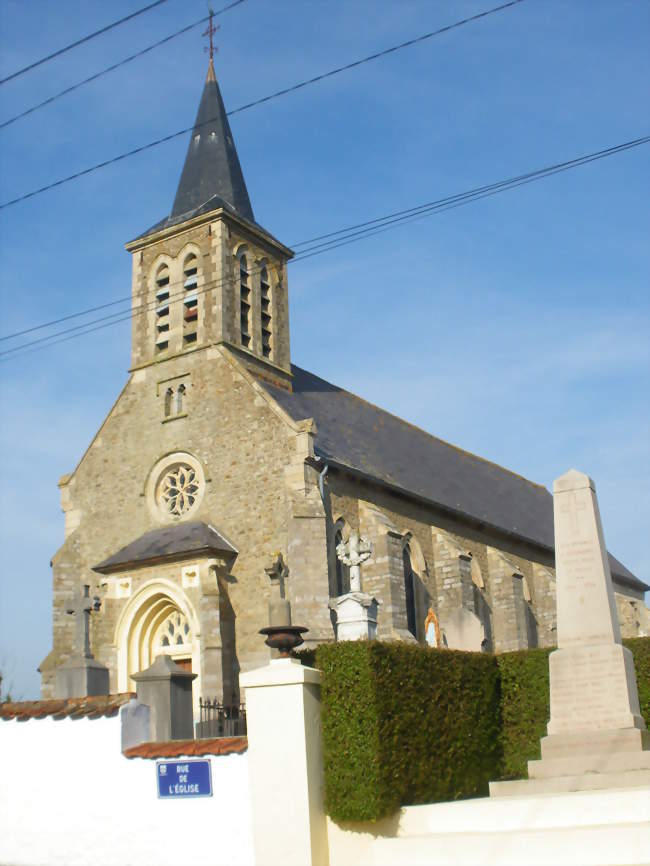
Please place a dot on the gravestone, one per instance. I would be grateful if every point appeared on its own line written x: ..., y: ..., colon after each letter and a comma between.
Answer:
x: 356, y: 611
x: 597, y: 737
x: 81, y: 675
x: 463, y: 630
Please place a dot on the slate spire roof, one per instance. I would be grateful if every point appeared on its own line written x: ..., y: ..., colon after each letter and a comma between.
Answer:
x: 212, y: 177
x: 212, y: 166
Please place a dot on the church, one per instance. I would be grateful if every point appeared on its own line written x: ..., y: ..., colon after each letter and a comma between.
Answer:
x: 220, y: 455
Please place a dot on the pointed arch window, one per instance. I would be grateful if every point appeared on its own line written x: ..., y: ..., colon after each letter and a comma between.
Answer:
x: 180, y: 397
x: 409, y: 590
x: 265, y: 301
x: 245, y: 301
x: 162, y: 308
x: 190, y: 300
x: 169, y: 396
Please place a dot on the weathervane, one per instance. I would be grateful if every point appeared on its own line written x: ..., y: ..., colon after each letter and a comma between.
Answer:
x: 210, y: 33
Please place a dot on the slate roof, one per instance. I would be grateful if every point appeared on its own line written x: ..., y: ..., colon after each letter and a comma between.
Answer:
x: 212, y: 177
x: 169, y: 543
x: 365, y: 439
x: 75, y: 708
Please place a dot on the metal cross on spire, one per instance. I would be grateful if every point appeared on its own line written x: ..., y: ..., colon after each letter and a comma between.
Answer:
x: 210, y: 33
x: 82, y: 607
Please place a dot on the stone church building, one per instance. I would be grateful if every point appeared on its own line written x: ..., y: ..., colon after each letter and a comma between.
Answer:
x: 220, y: 453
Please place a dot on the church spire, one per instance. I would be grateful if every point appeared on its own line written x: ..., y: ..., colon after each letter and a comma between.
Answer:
x: 212, y: 172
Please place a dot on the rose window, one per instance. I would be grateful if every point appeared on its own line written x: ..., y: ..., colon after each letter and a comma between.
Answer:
x: 178, y: 489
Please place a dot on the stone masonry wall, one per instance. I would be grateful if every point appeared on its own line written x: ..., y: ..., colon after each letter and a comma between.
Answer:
x: 242, y: 444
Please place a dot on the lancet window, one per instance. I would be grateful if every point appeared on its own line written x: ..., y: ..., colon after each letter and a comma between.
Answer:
x: 162, y: 308
x: 245, y: 301
x: 409, y: 590
x: 265, y: 301
x: 180, y: 397
x: 169, y: 396
x: 190, y: 300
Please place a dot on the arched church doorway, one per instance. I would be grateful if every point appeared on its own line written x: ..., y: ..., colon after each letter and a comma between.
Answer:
x: 158, y: 620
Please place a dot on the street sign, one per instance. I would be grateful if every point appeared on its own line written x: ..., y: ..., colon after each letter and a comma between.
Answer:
x: 184, y: 778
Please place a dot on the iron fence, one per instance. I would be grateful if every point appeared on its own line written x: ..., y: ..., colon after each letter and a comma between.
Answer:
x: 219, y: 720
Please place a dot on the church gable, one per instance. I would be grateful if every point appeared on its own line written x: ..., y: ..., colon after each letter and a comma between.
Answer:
x: 221, y: 462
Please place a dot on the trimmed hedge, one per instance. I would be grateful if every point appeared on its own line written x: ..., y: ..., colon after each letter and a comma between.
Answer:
x: 525, y: 703
x: 640, y: 648
x: 524, y: 708
x: 405, y: 724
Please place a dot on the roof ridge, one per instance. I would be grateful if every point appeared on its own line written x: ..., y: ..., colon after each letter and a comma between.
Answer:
x: 427, y: 433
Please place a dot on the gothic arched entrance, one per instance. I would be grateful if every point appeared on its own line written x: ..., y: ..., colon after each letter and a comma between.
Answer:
x: 158, y: 619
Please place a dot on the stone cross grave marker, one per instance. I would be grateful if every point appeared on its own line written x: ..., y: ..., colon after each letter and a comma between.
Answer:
x: 353, y: 553
x: 279, y: 605
x: 82, y: 607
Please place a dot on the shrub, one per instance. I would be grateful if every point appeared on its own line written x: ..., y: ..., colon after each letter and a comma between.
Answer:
x: 524, y: 708
x: 640, y: 648
x: 405, y: 724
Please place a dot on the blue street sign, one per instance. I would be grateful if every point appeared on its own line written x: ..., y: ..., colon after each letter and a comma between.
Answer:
x: 184, y: 778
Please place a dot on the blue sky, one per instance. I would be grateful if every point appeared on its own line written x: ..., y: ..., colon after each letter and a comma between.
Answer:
x: 516, y: 327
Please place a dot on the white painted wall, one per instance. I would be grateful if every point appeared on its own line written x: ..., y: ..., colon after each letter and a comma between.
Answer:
x: 69, y: 797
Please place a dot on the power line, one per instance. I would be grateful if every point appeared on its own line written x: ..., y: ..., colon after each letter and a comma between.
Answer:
x: 81, y: 41
x: 114, y: 66
x: 332, y: 240
x: 256, y: 102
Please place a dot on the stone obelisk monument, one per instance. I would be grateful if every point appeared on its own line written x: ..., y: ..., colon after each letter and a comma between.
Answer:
x: 597, y: 737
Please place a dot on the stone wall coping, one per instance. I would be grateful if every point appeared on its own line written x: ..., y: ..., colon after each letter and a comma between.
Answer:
x: 280, y: 672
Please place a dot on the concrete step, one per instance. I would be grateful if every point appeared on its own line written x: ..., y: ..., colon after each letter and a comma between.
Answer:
x: 595, y: 742
x: 593, y: 828
x: 612, y: 845
x: 566, y: 784
x: 615, y: 762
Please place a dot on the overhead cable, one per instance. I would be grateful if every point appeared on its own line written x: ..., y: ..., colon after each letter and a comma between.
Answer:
x: 254, y: 103
x: 327, y: 242
x: 81, y: 41
x: 115, y: 66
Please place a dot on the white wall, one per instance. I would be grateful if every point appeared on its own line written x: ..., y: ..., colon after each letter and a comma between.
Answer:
x: 69, y: 797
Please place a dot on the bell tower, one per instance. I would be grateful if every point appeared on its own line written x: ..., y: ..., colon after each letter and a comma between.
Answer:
x: 208, y: 273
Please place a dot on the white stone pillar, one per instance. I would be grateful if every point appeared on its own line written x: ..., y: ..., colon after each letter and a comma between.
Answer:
x: 285, y: 764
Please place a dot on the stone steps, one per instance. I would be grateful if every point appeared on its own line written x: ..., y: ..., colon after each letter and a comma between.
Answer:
x: 580, y: 764
x: 567, y: 784
x: 612, y: 845
x: 589, y: 828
